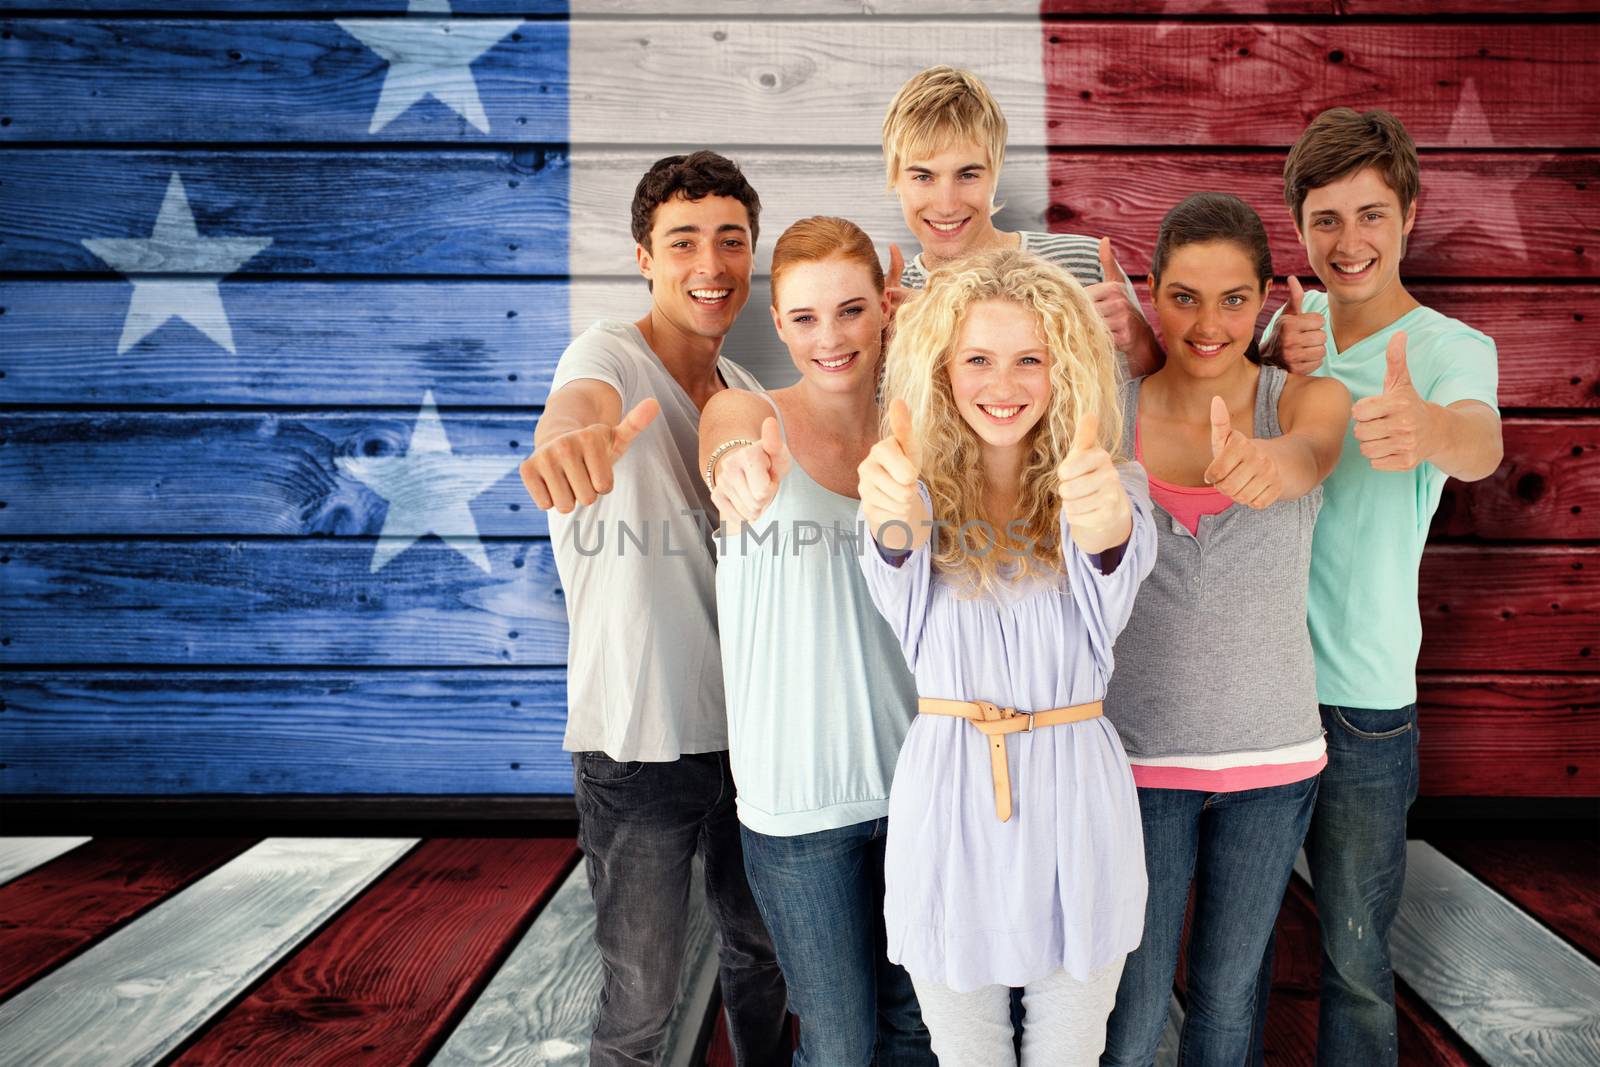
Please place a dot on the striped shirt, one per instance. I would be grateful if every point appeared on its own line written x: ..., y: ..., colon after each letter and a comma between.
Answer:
x: 1079, y: 256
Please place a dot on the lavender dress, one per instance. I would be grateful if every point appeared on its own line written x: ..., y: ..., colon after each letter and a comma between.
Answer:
x: 972, y: 901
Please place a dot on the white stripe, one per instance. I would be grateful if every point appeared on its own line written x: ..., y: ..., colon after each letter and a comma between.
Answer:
x: 1222, y: 761
x: 19, y: 855
x: 801, y: 83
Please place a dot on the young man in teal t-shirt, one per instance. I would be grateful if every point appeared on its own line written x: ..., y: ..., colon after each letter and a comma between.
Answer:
x: 1425, y: 409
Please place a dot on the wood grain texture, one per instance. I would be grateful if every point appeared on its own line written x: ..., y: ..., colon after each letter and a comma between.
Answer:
x: 450, y: 211
x: 242, y: 474
x: 538, y: 1009
x: 238, y: 474
x: 345, y: 342
x: 1457, y: 84
x: 272, y: 732
x: 1494, y: 735
x: 1528, y: 219
x: 1512, y: 990
x: 201, y: 80
x: 313, y: 602
x: 58, y: 909
x: 1546, y: 489
x: 18, y: 855
x: 1557, y: 882
x: 497, y: 342
x: 1291, y: 1033
x: 395, y: 970
x: 1509, y: 609
x: 137, y: 994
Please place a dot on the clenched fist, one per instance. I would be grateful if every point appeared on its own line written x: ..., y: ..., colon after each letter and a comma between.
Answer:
x: 888, y: 486
x: 1302, y: 336
x: 1097, y: 509
x: 747, y: 479
x: 1240, y: 467
x: 575, y: 468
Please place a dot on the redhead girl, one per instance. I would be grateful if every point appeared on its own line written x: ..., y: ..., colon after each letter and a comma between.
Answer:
x: 1006, y: 546
x: 818, y: 698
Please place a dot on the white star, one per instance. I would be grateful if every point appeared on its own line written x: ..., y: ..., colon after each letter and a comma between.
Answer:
x: 429, y: 57
x: 176, y: 247
x: 1492, y: 203
x: 428, y: 490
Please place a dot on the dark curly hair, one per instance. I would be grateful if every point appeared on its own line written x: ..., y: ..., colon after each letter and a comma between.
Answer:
x: 695, y: 176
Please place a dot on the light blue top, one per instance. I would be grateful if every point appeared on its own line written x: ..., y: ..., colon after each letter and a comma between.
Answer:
x: 1362, y: 610
x: 972, y: 901
x: 818, y: 696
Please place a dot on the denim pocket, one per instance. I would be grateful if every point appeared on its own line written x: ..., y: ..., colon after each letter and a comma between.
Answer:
x: 600, y: 769
x: 1374, y: 725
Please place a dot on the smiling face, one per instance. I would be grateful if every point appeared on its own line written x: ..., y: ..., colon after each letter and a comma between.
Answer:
x: 698, y: 263
x: 947, y: 200
x: 1354, y: 234
x: 1207, y: 301
x: 830, y: 315
x: 1000, y: 372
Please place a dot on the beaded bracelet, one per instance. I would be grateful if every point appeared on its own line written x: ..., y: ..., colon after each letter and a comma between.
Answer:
x: 717, y: 453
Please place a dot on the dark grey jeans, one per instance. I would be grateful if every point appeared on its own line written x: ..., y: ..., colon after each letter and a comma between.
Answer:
x: 641, y: 825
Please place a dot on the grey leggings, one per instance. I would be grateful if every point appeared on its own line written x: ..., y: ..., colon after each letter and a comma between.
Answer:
x: 1065, y: 1025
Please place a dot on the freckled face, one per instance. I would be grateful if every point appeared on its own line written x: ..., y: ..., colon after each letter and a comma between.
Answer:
x: 1354, y: 234
x: 1207, y: 302
x: 830, y: 314
x: 999, y: 372
x: 947, y: 201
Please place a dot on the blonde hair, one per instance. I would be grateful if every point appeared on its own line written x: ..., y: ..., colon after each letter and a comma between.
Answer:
x: 823, y: 237
x: 939, y: 107
x: 1082, y: 374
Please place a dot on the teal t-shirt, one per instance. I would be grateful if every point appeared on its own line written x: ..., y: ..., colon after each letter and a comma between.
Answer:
x: 1366, y: 629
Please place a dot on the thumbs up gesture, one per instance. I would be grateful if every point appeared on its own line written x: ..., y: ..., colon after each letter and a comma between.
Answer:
x: 576, y: 467
x: 1396, y: 428
x: 1240, y: 467
x: 1093, y: 502
x: 888, y: 484
x: 748, y: 477
x: 1302, y: 339
x: 1110, y: 297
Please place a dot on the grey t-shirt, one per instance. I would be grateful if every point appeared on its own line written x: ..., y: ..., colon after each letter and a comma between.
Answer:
x: 638, y: 569
x: 1214, y: 669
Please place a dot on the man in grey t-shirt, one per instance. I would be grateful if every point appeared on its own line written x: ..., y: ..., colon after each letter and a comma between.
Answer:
x: 615, y: 462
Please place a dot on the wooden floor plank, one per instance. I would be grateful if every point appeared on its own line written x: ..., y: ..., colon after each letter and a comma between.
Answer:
x: 58, y: 909
x: 539, y: 1008
x: 21, y: 854
x: 1557, y: 882
x: 396, y: 969
x: 135, y: 996
x: 1511, y: 989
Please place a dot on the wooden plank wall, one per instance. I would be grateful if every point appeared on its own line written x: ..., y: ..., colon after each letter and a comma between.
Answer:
x: 197, y: 593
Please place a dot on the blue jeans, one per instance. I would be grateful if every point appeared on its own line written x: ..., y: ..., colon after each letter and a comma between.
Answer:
x: 1238, y: 849
x: 640, y: 825
x: 1357, y: 853
x: 821, y: 895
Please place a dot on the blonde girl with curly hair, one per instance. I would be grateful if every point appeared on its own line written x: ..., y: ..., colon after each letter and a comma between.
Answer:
x: 1006, y: 538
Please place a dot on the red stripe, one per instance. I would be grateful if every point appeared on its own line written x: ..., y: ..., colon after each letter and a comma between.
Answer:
x: 56, y: 911
x: 392, y: 974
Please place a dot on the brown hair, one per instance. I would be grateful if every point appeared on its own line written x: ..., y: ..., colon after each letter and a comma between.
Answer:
x: 1341, y: 141
x: 695, y: 177
x: 824, y: 237
x: 1206, y: 217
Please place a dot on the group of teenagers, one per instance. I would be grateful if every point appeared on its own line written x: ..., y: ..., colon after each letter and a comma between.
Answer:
x: 1011, y: 624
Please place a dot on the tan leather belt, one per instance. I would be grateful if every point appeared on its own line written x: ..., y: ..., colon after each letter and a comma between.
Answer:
x: 995, y: 722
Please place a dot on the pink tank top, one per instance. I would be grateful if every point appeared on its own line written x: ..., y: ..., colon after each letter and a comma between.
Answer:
x: 1186, y: 503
